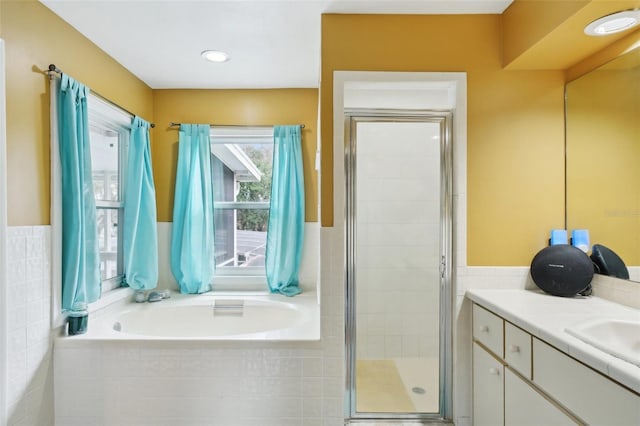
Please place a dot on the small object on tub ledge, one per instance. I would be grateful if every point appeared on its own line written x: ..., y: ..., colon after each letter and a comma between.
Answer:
x: 166, y: 294
x: 155, y: 296
x: 78, y: 319
x: 140, y: 296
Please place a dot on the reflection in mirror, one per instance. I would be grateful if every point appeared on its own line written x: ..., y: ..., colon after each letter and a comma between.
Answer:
x: 603, y: 154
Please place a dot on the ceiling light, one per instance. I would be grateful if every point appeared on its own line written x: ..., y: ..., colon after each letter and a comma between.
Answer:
x: 215, y: 56
x: 613, y: 23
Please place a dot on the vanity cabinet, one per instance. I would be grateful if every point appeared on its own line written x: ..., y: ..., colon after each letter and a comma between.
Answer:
x: 526, y: 374
x: 488, y: 388
x: 503, y: 392
x: 524, y: 406
x: 591, y: 396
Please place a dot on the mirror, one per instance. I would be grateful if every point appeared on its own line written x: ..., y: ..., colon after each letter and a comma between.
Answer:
x: 603, y: 156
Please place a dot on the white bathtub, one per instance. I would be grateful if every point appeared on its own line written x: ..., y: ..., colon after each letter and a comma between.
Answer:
x: 193, y: 318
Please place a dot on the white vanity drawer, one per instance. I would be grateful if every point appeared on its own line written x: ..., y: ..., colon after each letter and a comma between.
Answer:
x: 517, y: 349
x: 488, y: 329
x: 589, y: 395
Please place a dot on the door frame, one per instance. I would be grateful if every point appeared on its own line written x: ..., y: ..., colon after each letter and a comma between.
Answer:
x: 4, y: 340
x: 444, y: 118
x: 335, y: 235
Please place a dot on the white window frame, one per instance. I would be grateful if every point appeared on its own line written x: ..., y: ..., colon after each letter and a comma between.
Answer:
x: 111, y: 119
x: 247, y: 278
x: 99, y: 111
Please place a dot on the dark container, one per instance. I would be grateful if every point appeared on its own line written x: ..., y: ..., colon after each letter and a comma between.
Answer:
x: 78, y: 319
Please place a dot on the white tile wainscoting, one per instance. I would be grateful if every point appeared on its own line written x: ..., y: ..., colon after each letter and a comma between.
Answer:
x: 30, y: 370
x: 204, y: 384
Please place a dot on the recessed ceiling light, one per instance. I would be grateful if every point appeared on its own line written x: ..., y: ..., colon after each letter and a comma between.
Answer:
x: 215, y: 56
x: 613, y: 23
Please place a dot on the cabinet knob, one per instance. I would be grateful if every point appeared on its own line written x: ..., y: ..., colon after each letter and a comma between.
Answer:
x: 484, y: 328
x: 494, y: 371
x: 514, y: 348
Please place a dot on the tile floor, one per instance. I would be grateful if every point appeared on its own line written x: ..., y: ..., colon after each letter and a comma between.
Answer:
x: 395, y: 385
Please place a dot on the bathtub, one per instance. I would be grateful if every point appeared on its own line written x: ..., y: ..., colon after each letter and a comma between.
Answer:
x: 175, y: 362
x: 196, y: 318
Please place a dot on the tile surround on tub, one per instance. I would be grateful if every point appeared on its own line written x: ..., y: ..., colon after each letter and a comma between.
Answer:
x: 219, y: 383
x: 213, y: 385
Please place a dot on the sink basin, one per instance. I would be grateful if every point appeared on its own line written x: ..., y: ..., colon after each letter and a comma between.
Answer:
x: 616, y: 337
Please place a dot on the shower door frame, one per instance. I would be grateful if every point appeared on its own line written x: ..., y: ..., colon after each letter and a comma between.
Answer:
x: 444, y: 118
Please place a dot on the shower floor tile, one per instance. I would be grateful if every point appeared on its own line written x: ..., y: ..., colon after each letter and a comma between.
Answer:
x: 380, y: 388
x: 385, y: 386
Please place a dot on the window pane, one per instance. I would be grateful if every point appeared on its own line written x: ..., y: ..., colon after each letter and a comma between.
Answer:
x: 251, y: 225
x: 240, y: 245
x: 223, y: 181
x: 241, y: 173
x: 108, y: 242
x: 104, y: 162
x: 256, y: 188
x: 252, y: 241
x: 224, y: 237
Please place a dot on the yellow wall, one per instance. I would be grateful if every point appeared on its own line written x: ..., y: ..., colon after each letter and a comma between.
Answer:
x: 515, y: 184
x: 35, y: 37
x: 268, y: 106
x: 527, y: 22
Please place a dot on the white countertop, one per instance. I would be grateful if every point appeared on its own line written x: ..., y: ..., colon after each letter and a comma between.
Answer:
x: 546, y: 317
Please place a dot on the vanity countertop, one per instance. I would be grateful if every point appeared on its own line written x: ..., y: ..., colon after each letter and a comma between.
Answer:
x: 546, y: 317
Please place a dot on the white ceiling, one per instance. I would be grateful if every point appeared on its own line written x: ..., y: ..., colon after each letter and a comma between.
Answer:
x: 272, y: 43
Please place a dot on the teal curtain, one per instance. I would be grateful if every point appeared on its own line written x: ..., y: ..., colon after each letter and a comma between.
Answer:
x: 140, y: 221
x: 285, y: 231
x: 192, y: 252
x: 80, y: 251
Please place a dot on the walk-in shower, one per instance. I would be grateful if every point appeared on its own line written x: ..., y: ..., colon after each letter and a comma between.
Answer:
x: 398, y: 167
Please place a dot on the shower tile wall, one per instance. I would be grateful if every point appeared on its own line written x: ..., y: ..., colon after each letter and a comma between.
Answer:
x: 30, y: 382
x: 398, y: 241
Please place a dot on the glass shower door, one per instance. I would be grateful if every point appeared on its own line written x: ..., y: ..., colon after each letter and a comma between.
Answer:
x: 398, y: 245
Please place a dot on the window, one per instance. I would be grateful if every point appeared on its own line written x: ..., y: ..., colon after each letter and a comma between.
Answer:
x: 109, y: 137
x: 241, y: 161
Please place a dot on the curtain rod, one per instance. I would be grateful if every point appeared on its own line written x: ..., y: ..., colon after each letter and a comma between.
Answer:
x: 172, y: 124
x: 53, y: 68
